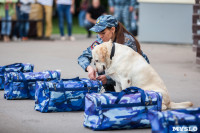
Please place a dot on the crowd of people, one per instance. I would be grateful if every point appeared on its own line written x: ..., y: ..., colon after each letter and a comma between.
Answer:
x: 124, y: 10
x: 89, y: 11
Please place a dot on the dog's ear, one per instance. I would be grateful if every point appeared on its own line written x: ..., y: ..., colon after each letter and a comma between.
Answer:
x: 103, y: 53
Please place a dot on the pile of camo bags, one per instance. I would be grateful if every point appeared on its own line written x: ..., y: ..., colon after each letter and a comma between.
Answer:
x: 131, y: 108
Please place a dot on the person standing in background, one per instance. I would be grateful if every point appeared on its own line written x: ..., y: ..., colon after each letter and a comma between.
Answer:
x: 65, y: 8
x: 17, y: 24
x: 122, y: 10
x: 25, y: 9
x: 83, y: 8
x: 7, y: 10
x: 48, y: 8
x: 134, y: 19
x: 93, y: 12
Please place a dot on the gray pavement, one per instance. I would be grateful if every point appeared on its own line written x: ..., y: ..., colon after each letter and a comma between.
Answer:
x: 175, y: 64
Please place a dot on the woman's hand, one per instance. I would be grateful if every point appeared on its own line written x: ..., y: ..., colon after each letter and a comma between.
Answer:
x: 72, y: 10
x: 91, y: 73
x: 103, y: 79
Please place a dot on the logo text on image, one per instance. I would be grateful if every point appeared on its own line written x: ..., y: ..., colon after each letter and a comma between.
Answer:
x: 179, y: 128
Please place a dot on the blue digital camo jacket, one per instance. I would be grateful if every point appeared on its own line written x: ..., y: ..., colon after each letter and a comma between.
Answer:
x: 85, y: 59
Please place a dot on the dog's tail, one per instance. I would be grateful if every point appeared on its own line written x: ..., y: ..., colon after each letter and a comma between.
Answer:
x: 180, y: 105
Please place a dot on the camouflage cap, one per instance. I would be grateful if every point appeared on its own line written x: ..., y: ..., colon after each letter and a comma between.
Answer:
x: 103, y: 22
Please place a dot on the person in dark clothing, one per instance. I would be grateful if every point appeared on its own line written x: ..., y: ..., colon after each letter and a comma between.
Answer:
x: 92, y: 14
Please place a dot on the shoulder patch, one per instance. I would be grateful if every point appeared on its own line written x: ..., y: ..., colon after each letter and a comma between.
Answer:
x: 94, y: 44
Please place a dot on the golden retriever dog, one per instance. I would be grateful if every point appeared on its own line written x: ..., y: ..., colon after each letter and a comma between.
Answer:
x: 128, y: 68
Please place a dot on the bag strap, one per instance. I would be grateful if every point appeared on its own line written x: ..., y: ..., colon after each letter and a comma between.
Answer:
x: 91, y: 85
x: 132, y: 90
x: 44, y: 85
x: 46, y: 90
x: 72, y: 79
x: 75, y: 79
x: 48, y: 79
x: 61, y: 84
x: 106, y: 97
x: 58, y: 75
x: 84, y: 82
x: 13, y: 65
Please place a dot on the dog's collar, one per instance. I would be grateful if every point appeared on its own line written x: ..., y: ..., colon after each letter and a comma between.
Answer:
x: 112, y: 51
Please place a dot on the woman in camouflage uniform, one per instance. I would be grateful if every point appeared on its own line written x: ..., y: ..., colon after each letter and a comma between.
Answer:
x: 107, y: 28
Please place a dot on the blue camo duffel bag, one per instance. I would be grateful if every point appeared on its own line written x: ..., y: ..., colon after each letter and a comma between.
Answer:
x: 175, y: 121
x: 17, y: 67
x: 22, y: 85
x: 64, y: 95
x: 120, y: 110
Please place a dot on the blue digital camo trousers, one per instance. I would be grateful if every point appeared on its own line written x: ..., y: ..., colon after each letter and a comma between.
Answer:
x: 123, y: 15
x: 121, y: 11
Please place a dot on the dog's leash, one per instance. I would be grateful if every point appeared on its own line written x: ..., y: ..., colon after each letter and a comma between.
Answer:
x: 112, y: 51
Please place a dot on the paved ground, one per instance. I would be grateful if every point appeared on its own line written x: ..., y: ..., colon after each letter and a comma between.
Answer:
x: 175, y: 64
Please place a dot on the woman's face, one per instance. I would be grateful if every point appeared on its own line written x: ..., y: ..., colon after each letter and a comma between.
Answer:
x: 107, y: 34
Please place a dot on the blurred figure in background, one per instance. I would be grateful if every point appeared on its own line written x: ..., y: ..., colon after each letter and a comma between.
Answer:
x: 48, y: 8
x: 25, y: 8
x: 7, y: 9
x: 122, y: 10
x: 134, y: 19
x: 17, y: 24
x: 92, y: 14
x: 83, y: 8
x: 65, y: 8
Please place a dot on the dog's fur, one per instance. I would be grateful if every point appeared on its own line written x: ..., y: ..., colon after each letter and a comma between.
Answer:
x: 128, y: 68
